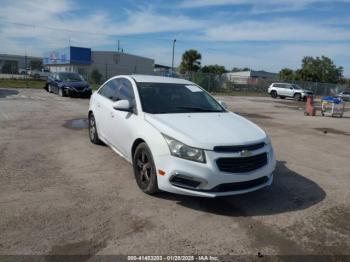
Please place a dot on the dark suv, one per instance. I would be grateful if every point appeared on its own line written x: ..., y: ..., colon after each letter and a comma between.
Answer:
x: 68, y: 84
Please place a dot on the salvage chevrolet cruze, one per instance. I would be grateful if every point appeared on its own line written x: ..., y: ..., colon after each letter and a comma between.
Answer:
x: 179, y: 138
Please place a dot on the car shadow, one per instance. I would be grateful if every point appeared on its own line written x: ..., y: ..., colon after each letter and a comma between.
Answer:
x: 290, y: 191
x: 7, y: 92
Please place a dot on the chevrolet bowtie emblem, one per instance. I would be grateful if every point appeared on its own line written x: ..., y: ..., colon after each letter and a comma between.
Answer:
x: 245, y: 153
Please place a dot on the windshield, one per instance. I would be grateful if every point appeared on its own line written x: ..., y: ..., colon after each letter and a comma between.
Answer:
x: 165, y: 98
x: 71, y: 77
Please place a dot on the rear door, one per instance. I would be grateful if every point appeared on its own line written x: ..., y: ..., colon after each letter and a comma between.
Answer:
x: 283, y: 89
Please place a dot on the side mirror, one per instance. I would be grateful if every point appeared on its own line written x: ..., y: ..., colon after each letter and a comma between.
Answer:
x: 223, y: 104
x: 123, y: 105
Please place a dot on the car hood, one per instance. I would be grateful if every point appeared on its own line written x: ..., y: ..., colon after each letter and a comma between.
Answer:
x: 206, y: 130
x: 76, y: 84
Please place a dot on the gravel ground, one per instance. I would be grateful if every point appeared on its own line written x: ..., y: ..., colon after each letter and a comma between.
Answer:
x: 60, y: 194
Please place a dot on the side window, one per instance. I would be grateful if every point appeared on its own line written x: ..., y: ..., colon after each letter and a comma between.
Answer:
x: 283, y: 86
x: 126, y: 91
x: 109, y: 90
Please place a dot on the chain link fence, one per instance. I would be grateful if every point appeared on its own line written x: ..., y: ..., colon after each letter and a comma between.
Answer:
x: 257, y: 86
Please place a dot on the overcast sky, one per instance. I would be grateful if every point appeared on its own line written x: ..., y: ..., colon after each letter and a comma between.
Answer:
x: 263, y: 35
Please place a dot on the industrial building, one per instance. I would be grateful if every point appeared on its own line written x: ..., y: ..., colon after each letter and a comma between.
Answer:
x: 107, y: 63
x: 250, y: 77
x: 11, y: 64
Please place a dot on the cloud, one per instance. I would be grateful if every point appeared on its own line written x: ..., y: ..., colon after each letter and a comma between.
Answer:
x: 297, y: 4
x: 272, y: 43
x: 92, y: 29
x: 277, y: 30
x: 276, y: 56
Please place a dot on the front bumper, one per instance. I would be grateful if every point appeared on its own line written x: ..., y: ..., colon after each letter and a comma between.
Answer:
x: 77, y: 92
x: 304, y: 95
x: 208, y: 180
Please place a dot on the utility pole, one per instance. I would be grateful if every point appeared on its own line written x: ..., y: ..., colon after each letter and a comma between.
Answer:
x: 172, y: 61
x: 118, y: 45
x: 26, y: 65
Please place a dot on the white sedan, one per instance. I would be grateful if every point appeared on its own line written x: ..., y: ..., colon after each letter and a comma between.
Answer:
x: 179, y: 138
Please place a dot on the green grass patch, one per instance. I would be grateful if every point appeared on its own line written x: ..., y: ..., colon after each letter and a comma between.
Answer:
x: 22, y: 83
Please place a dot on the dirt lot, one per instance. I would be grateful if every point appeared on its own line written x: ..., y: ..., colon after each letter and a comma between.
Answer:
x: 60, y: 194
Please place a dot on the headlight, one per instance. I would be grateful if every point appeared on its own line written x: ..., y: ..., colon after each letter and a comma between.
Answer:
x: 268, y: 141
x: 181, y: 150
x: 67, y: 87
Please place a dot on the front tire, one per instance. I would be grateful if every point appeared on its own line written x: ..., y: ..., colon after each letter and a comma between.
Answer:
x: 60, y: 92
x: 145, y: 170
x: 93, y: 135
x: 297, y: 97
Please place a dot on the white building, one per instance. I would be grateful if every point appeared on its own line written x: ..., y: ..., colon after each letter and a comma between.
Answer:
x: 107, y: 63
x: 249, y: 77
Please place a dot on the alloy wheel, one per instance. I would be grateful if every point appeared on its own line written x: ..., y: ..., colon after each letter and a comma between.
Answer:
x: 144, y: 168
x: 92, y: 128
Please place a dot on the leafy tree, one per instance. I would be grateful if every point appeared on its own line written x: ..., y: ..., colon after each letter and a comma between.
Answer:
x: 96, y: 76
x: 36, y: 64
x: 190, y: 61
x: 238, y: 69
x: 319, y: 69
x: 214, y: 69
x: 286, y: 74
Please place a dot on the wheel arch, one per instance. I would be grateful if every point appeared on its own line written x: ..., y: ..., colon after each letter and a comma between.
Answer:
x: 135, y: 144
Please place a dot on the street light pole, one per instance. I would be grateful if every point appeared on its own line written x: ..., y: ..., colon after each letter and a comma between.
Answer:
x: 172, y: 61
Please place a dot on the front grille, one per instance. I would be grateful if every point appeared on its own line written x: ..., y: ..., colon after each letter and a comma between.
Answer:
x: 239, y: 185
x: 241, y: 164
x: 239, y: 148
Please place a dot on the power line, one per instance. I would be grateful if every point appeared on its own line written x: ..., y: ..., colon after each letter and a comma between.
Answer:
x: 34, y: 26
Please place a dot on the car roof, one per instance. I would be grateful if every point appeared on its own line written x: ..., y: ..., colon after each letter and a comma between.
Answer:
x: 159, y: 79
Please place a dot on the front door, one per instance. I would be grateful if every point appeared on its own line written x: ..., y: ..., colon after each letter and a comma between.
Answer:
x: 123, y: 123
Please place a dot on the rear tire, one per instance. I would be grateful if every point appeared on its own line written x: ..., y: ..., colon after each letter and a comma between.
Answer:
x: 273, y: 94
x: 49, y: 89
x: 145, y: 170
x: 93, y: 135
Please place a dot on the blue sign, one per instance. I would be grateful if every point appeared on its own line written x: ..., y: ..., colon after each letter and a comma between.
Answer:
x: 68, y: 55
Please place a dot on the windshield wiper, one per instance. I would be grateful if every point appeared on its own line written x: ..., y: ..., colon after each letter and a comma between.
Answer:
x: 198, y: 109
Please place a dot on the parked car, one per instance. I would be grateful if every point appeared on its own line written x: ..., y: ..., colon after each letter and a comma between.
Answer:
x: 284, y: 90
x: 179, y: 138
x: 39, y: 74
x: 345, y: 96
x: 23, y: 71
x: 68, y: 84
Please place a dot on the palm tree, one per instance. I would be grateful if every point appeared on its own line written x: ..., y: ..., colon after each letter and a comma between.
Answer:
x: 190, y: 61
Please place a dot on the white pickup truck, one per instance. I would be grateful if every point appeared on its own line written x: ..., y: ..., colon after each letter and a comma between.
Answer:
x: 39, y: 74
